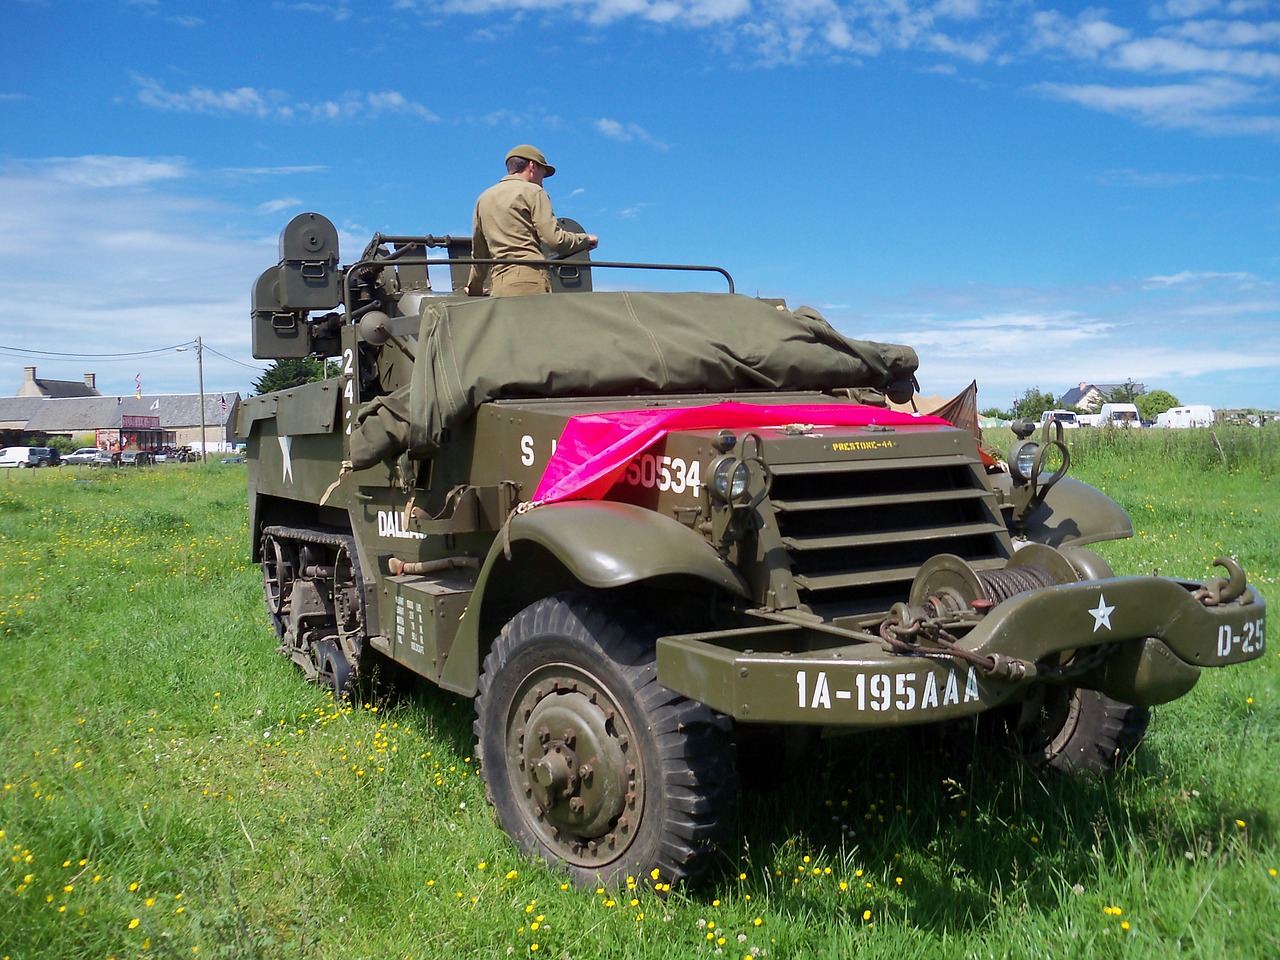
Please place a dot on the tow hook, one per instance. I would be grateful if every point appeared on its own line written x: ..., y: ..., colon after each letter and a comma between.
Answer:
x: 1217, y: 590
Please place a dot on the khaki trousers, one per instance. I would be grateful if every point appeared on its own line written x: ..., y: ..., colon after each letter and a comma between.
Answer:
x: 518, y: 281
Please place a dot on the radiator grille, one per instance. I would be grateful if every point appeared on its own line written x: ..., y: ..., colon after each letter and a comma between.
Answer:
x: 856, y: 532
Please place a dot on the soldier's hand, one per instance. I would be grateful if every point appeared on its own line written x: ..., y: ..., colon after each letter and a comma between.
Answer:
x: 592, y: 241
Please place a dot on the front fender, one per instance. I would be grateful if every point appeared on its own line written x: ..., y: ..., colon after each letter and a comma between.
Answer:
x: 561, y: 546
x: 1074, y: 513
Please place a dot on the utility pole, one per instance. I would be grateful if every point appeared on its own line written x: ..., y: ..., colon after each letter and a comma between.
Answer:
x: 204, y: 452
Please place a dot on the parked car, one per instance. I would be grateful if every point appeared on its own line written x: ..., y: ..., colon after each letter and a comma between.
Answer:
x: 175, y: 455
x: 135, y: 458
x: 105, y: 458
x: 29, y: 457
x: 83, y: 455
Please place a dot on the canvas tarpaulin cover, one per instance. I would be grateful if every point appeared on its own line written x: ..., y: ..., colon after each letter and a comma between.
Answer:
x: 960, y: 410
x: 596, y: 447
x: 610, y: 344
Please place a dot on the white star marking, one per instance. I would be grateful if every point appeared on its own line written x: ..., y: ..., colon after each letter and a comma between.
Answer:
x: 286, y: 444
x: 1102, y: 615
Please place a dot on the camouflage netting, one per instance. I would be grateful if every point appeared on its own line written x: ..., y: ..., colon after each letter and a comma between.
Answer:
x: 610, y: 344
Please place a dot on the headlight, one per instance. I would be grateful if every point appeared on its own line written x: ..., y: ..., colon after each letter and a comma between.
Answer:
x: 1024, y: 460
x: 729, y: 479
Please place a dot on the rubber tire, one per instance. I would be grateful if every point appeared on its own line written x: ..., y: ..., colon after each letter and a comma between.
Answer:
x: 683, y: 747
x: 1096, y: 736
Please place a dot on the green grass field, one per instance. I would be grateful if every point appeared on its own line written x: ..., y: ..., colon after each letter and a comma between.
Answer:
x: 172, y: 788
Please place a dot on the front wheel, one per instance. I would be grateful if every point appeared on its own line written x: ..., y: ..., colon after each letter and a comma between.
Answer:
x: 1073, y: 730
x: 587, y: 759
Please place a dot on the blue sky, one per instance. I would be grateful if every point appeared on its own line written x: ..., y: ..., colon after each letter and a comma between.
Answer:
x: 1032, y: 194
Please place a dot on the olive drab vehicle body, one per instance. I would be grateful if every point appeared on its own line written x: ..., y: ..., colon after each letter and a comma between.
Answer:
x: 643, y: 529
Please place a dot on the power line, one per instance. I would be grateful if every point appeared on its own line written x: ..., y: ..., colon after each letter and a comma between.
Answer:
x: 247, y: 366
x: 51, y: 354
x: 116, y: 357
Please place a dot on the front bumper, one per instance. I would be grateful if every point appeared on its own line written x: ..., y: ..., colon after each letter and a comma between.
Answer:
x: 1157, y: 635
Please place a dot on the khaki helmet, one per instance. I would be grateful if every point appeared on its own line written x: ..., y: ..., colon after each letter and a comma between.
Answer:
x: 526, y: 152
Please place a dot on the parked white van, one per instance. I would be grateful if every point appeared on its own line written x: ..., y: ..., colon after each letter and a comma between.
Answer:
x: 1195, y: 415
x: 29, y: 457
x: 1065, y: 417
x: 1119, y: 415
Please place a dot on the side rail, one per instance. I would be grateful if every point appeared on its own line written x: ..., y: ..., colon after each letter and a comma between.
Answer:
x: 364, y: 270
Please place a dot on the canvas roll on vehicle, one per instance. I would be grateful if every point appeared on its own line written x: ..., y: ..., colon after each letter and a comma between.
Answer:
x: 645, y: 531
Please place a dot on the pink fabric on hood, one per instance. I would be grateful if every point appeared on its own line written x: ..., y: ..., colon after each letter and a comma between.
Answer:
x: 595, y: 448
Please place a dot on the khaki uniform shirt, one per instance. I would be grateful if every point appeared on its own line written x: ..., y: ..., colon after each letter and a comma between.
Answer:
x: 513, y: 218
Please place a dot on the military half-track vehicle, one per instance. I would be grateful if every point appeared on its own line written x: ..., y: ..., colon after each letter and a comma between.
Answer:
x: 645, y: 531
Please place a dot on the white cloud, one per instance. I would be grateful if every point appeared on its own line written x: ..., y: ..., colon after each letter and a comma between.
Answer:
x: 1140, y: 178
x: 960, y: 9
x: 1162, y: 330
x: 1227, y: 33
x: 275, y: 206
x: 1179, y: 9
x: 963, y: 35
x: 276, y: 104
x: 1085, y: 37
x: 105, y: 171
x: 977, y: 51
x: 1004, y: 336
x: 1188, y: 277
x: 1212, y: 54
x: 777, y: 30
x: 627, y: 133
x: 272, y: 171
x: 354, y: 106
x: 690, y: 12
x: 535, y: 117
x: 243, y: 100
x: 338, y: 12
x: 1175, y: 56
x: 1195, y: 105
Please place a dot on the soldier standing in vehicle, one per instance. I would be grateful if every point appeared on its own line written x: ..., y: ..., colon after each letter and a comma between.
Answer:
x: 513, y: 219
